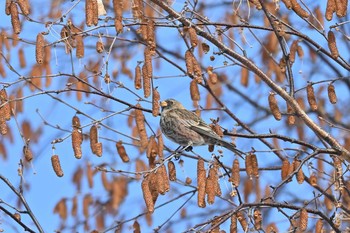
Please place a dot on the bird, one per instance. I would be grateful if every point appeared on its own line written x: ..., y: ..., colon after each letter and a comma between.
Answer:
x: 187, y: 129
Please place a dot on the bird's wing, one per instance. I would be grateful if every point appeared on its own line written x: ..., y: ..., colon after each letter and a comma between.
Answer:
x: 192, y: 121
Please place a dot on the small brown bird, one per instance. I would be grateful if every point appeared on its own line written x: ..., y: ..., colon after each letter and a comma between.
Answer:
x: 186, y: 128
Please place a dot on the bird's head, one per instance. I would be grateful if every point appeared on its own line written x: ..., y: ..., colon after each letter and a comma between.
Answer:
x: 171, y: 104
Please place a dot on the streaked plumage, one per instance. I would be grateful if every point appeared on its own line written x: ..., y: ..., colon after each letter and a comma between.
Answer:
x: 186, y: 128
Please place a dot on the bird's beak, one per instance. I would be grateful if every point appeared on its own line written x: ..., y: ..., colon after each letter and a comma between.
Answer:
x: 163, y: 104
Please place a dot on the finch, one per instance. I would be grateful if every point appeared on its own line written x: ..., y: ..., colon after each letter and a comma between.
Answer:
x: 186, y: 128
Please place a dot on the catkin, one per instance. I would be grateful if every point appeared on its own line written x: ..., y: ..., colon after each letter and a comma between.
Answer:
x: 56, y: 165
x: 285, y: 169
x: 293, y: 50
x: 189, y: 62
x: 91, y: 12
x: 151, y: 36
x: 22, y: 60
x: 244, y: 77
x: 194, y: 90
x: 118, y: 11
x: 7, y: 7
x: 172, y: 171
x: 77, y: 140
x: 249, y: 166
x: 235, y: 176
x: 330, y: 9
x: 28, y: 155
x: 233, y: 224
x: 122, y: 152
x: 332, y: 96
x: 303, y: 220
x: 155, y: 102
x: 147, y: 195
x: 140, y: 124
x: 319, y: 226
x: 311, y: 97
x: 255, y: 165
x: 147, y: 71
x: 341, y: 7
x: 298, y: 9
x: 5, y: 110
x: 291, y: 117
x: 39, y: 48
x: 24, y: 6
x: 242, y: 220
x: 300, y: 175
x: 332, y: 45
x: 274, y: 106
x: 288, y: 4
x: 193, y: 36
x: 257, y: 219
x: 137, y: 80
x: 16, y: 24
x: 201, y: 183
x: 162, y: 180
x: 99, y: 47
x: 80, y: 50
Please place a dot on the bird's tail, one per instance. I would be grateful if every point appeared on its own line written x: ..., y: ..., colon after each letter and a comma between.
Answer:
x: 230, y: 147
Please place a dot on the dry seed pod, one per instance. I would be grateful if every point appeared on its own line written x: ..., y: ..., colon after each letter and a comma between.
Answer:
x: 341, y: 8
x: 298, y: 9
x: 332, y: 45
x: 28, y: 155
x: 257, y: 219
x: 147, y: 195
x: 319, y: 226
x: 330, y: 9
x: 235, y: 176
x: 140, y: 124
x: 193, y: 36
x: 122, y: 152
x: 242, y: 220
x: 16, y: 24
x: 244, y: 77
x: 201, y: 183
x: 285, y: 169
x: 194, y: 90
x: 56, y: 165
x: 39, y: 49
x: 303, y: 220
x: 99, y: 47
x: 172, y: 171
x: 274, y: 106
x: 137, y: 80
x: 77, y: 140
x: 311, y: 97
x: 155, y: 102
x: 331, y: 94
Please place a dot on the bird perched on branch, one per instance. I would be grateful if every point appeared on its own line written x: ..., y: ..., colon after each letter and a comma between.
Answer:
x: 187, y: 129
